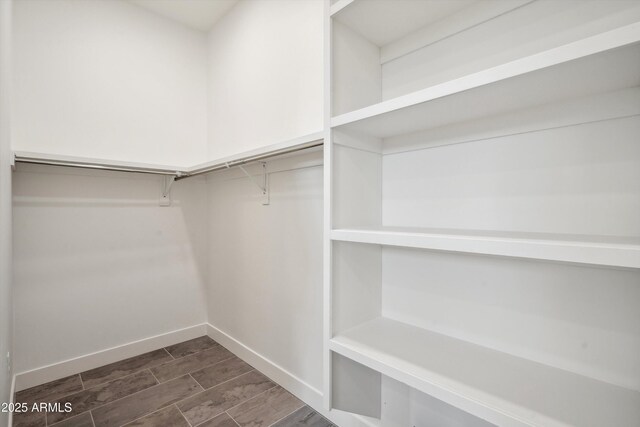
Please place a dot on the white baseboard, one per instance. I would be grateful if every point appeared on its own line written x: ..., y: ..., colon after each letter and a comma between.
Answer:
x: 302, y: 390
x: 34, y: 377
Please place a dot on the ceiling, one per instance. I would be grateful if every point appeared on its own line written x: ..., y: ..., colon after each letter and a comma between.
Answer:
x: 198, y: 14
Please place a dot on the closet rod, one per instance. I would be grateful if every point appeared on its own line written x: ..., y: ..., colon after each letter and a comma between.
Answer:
x: 253, y: 158
x: 23, y: 158
x: 35, y: 158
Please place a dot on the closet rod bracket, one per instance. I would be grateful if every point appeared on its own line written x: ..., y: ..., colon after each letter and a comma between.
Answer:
x: 264, y: 187
x: 165, y: 200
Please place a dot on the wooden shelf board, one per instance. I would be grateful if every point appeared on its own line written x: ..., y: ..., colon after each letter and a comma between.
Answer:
x: 613, y: 252
x: 500, y: 388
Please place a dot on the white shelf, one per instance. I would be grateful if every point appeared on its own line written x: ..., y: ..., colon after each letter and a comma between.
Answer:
x: 503, y: 389
x: 579, y: 249
x: 96, y: 163
x: 301, y: 142
x: 280, y: 148
x: 598, y: 64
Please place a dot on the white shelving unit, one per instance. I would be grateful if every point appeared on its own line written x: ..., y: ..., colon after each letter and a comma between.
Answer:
x: 503, y: 389
x: 482, y: 246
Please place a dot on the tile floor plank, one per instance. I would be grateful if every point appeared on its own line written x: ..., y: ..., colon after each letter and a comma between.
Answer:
x: 145, y: 402
x: 216, y: 400
x: 191, y: 363
x: 220, y: 372
x: 29, y: 419
x: 124, y: 367
x: 92, y: 398
x: 192, y: 346
x: 222, y: 420
x: 82, y: 420
x: 50, y: 391
x: 304, y: 417
x: 167, y: 417
x: 266, y: 408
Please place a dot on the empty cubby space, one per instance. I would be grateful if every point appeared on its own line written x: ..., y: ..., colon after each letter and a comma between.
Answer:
x: 497, y: 337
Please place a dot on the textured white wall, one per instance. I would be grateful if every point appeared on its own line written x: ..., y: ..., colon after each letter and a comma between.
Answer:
x: 108, y: 79
x: 265, y: 74
x: 6, y: 313
x: 99, y: 264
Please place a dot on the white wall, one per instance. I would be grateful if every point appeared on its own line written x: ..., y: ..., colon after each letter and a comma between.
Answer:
x: 265, y: 262
x: 6, y: 313
x: 265, y: 74
x: 99, y: 264
x: 265, y: 265
x: 108, y: 79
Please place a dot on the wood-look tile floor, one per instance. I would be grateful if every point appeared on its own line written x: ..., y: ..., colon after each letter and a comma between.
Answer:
x: 194, y: 383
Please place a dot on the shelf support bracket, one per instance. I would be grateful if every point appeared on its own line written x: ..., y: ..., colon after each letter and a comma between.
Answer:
x: 166, y: 190
x: 264, y: 187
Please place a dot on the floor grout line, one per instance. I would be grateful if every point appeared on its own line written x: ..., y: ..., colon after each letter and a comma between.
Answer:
x: 100, y: 406
x: 214, y: 364
x: 280, y: 419
x: 46, y: 399
x: 215, y: 344
x: 253, y: 397
x: 124, y: 376
x: 199, y: 385
x: 170, y: 355
x: 146, y: 415
x: 232, y: 419
x: 182, y: 413
x: 223, y: 382
x: 133, y: 394
x: 154, y: 377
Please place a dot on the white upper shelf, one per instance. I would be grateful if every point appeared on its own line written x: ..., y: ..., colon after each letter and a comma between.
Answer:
x: 498, y: 387
x: 94, y: 163
x: 602, y: 63
x: 621, y: 252
x: 292, y: 145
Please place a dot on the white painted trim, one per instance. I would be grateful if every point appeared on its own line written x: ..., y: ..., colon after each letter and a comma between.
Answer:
x: 301, y: 389
x: 24, y: 380
x: 12, y: 393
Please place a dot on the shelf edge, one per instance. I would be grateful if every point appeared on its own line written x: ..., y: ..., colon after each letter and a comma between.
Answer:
x: 611, y: 255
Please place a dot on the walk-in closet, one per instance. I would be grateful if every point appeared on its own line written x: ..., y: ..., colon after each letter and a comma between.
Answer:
x: 320, y: 213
